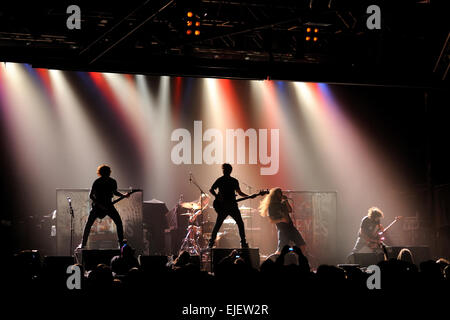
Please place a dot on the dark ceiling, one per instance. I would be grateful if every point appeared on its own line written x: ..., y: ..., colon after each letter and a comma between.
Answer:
x: 250, y: 39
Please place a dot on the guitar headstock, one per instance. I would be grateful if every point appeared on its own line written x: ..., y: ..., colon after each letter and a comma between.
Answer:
x: 260, y: 193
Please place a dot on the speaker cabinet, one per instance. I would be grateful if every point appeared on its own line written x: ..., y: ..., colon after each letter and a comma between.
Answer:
x: 150, y: 264
x: 365, y: 259
x: 91, y: 258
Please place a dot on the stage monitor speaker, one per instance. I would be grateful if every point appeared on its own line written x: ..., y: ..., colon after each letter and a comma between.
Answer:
x: 154, y: 218
x: 91, y: 258
x: 366, y: 259
x: 57, y: 263
x: 54, y: 270
x: 151, y: 264
x: 250, y: 256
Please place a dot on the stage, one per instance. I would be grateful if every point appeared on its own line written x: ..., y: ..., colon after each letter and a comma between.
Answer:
x: 219, y: 146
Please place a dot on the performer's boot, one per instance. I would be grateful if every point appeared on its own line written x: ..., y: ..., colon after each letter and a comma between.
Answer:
x: 244, y: 244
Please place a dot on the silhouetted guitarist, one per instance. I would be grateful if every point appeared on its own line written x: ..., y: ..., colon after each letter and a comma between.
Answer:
x: 102, y: 192
x: 225, y: 203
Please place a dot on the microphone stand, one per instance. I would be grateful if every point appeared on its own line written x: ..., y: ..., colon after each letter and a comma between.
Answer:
x: 249, y: 189
x: 192, y: 180
x: 71, y: 225
x: 201, y: 192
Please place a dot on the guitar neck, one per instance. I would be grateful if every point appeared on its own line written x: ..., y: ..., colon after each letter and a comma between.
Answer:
x: 118, y: 199
x: 390, y: 225
x: 242, y: 199
x: 124, y: 196
x: 253, y: 195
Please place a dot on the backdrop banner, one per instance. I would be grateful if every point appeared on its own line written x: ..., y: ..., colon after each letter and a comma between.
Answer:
x: 103, y: 232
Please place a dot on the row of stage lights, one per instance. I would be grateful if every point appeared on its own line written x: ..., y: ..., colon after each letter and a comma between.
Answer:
x: 192, y: 24
x: 193, y: 27
x: 312, y: 34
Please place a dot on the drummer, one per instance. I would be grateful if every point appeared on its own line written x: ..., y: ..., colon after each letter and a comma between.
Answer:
x: 197, y: 206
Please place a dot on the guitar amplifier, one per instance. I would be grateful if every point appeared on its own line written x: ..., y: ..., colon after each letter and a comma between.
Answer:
x: 91, y: 258
x: 365, y: 259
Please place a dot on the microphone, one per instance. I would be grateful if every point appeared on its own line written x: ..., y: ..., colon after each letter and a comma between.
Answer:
x: 68, y: 199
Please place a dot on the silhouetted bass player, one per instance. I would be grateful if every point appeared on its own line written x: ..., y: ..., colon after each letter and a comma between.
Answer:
x: 225, y: 203
x: 102, y: 192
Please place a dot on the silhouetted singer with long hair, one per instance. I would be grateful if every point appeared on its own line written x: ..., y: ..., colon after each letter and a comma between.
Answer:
x: 225, y: 203
x: 276, y: 206
x: 102, y: 191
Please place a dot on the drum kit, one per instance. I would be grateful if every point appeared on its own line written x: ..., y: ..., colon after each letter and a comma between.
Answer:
x: 201, y: 224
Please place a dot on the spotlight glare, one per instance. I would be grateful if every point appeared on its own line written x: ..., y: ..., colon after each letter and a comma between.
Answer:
x: 197, y: 32
x: 188, y: 32
x: 316, y: 30
x: 190, y: 14
x: 308, y: 38
x: 308, y: 29
x: 315, y: 39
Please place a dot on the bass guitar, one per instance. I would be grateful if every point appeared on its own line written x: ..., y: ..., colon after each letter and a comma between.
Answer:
x: 101, y: 210
x: 220, y: 205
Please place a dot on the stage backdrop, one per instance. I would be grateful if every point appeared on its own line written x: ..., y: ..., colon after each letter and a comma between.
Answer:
x: 103, y: 232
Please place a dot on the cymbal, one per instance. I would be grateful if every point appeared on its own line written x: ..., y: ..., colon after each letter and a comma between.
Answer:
x: 190, y: 205
x: 203, y: 200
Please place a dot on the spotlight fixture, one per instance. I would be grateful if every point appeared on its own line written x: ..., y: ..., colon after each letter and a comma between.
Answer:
x: 192, y: 19
x: 312, y: 34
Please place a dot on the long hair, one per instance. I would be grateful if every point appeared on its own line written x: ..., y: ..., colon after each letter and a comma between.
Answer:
x: 268, y: 199
x: 405, y: 255
x: 375, y: 212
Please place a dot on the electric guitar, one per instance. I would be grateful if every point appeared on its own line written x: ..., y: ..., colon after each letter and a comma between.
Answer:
x: 101, y: 210
x: 378, y: 237
x: 219, y: 205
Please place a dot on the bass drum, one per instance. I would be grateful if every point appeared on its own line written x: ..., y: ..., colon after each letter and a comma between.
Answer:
x: 229, y: 239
